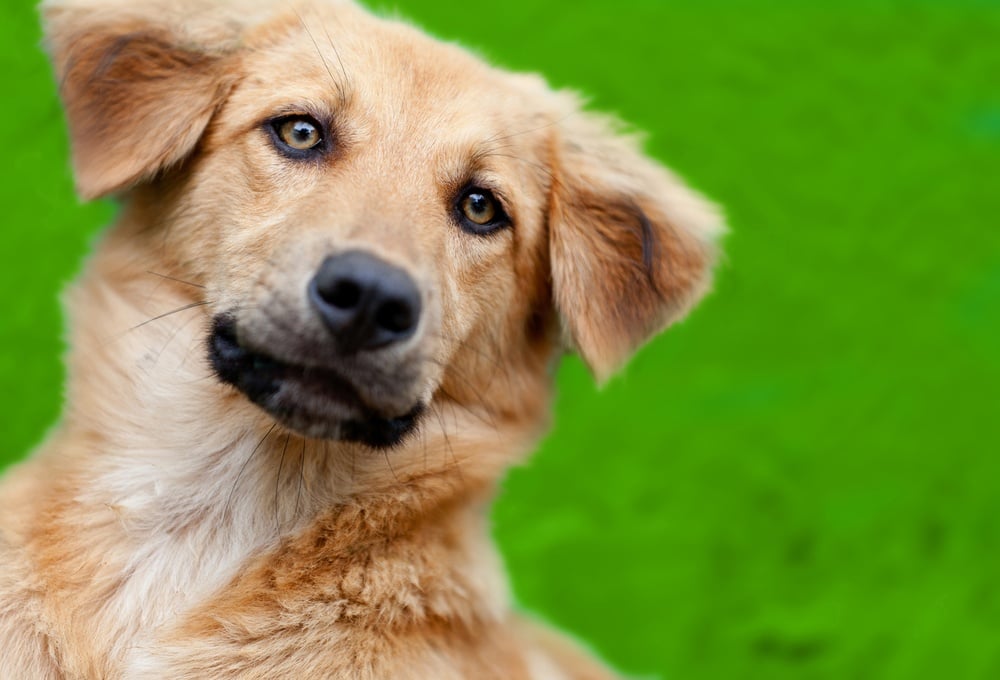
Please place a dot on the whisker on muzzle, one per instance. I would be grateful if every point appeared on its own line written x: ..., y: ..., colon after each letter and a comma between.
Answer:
x: 192, y: 305
x: 243, y: 468
x: 175, y: 279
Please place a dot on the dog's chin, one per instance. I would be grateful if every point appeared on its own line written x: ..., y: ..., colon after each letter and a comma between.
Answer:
x: 315, y: 402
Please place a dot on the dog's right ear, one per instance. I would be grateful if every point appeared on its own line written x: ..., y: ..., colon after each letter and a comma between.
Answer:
x: 138, y: 92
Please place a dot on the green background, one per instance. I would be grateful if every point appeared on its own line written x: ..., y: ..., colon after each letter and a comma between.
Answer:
x: 802, y: 481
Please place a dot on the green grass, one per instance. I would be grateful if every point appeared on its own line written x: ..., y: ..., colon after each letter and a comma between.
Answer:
x: 800, y: 482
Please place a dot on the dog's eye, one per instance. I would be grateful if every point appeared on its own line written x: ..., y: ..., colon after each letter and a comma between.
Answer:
x: 480, y: 212
x: 298, y: 134
x: 479, y: 207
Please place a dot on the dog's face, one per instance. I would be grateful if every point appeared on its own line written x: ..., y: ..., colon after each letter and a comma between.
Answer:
x: 384, y: 213
x: 377, y: 220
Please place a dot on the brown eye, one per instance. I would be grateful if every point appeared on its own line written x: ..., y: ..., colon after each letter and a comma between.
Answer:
x: 298, y: 133
x: 480, y: 213
x: 479, y: 207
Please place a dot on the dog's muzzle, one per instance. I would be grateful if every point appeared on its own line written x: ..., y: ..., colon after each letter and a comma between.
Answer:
x: 367, y: 308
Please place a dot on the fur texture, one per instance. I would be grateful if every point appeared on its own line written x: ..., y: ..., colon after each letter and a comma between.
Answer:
x: 170, y: 528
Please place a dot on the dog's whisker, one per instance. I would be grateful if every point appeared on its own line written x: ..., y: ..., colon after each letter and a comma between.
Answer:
x: 165, y: 315
x: 385, y: 454
x: 472, y: 386
x: 337, y: 84
x: 551, y: 123
x: 423, y: 439
x: 484, y: 419
x: 175, y: 279
x: 277, y: 483
x: 197, y: 345
x: 499, y: 367
x: 354, y: 455
x: 447, y: 440
x: 467, y: 345
x: 173, y: 336
x: 340, y: 61
x: 538, y: 166
x: 302, y: 474
x: 229, y: 500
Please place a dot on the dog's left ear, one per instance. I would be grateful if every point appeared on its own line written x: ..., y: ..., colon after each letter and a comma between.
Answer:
x: 138, y: 92
x: 631, y: 246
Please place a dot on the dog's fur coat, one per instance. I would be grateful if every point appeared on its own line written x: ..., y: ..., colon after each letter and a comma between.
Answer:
x: 172, y: 529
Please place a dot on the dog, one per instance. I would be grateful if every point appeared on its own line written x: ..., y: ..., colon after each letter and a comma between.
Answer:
x: 325, y: 322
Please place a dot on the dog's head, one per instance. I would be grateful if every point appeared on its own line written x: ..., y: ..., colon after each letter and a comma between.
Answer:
x: 377, y: 220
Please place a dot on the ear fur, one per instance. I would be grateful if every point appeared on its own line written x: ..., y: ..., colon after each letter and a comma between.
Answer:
x: 138, y: 92
x: 631, y: 246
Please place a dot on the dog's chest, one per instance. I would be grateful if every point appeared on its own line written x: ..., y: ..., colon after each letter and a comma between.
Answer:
x: 404, y: 608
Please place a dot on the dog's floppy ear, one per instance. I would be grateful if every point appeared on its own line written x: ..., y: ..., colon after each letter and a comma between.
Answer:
x: 138, y: 91
x: 631, y: 246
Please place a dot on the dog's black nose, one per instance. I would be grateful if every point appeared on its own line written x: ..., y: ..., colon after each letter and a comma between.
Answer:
x: 367, y: 303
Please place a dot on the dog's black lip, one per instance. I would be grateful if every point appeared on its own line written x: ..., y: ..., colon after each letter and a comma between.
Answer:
x: 261, y: 377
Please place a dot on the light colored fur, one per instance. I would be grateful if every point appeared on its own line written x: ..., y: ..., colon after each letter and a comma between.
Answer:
x: 169, y: 528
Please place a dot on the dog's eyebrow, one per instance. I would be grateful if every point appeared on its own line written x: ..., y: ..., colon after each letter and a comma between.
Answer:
x: 495, y: 148
x: 502, y: 137
x: 341, y: 86
x: 473, y: 167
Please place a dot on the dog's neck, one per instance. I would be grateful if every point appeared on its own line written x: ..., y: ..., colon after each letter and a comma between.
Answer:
x: 175, y: 493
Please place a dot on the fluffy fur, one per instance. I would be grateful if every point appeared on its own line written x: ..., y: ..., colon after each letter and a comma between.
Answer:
x: 170, y: 528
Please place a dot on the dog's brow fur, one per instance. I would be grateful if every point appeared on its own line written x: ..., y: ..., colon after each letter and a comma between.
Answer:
x: 170, y: 527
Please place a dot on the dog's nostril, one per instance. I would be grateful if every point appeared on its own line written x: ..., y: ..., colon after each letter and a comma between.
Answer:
x: 345, y: 294
x: 395, y: 316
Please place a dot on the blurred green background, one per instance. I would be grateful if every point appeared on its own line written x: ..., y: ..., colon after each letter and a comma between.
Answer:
x: 802, y: 481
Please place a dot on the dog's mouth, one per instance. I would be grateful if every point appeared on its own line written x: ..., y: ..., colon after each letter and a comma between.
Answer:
x: 313, y: 401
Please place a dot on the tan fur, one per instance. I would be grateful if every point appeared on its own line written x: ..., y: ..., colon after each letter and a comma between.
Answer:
x: 170, y: 528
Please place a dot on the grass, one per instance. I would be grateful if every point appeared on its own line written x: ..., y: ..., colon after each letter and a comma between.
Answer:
x: 801, y: 481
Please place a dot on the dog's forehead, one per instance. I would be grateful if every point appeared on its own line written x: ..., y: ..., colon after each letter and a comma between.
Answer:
x: 385, y: 73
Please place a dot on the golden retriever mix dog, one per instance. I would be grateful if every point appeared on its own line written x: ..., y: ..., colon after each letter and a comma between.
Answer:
x: 326, y: 321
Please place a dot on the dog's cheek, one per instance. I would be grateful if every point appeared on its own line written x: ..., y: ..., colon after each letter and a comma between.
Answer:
x: 215, y: 233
